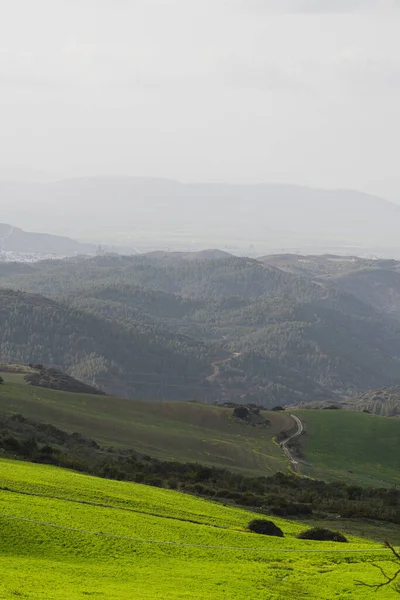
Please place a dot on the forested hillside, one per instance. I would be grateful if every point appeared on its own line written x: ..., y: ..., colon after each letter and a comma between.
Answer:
x: 209, y: 327
x: 131, y: 360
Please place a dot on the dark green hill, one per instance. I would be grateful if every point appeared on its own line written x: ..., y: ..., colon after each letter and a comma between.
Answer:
x: 340, y: 351
x: 376, y: 282
x: 232, y: 276
x: 299, y: 339
x: 289, y: 351
x: 133, y: 359
x: 379, y: 287
x: 137, y: 299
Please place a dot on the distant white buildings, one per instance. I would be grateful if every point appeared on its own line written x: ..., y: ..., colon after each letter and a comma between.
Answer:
x: 11, y: 256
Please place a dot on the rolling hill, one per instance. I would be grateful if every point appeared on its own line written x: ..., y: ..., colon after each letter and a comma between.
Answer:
x: 292, y: 337
x: 375, y: 282
x: 167, y: 430
x: 211, y: 435
x: 135, y: 358
x: 68, y: 534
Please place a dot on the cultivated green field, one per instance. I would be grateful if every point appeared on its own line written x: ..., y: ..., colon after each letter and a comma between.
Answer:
x: 169, y: 430
x: 67, y: 535
x: 351, y: 446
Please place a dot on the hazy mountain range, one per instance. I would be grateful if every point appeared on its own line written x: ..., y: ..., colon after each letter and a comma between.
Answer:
x: 161, y: 214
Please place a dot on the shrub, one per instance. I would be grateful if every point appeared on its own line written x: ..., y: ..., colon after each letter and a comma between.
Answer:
x: 11, y: 444
x: 173, y: 483
x: 241, y: 412
x: 321, y: 535
x: 223, y: 493
x: 265, y: 527
x: 48, y: 450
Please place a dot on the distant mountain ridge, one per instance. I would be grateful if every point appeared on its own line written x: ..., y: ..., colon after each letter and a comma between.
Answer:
x: 172, y: 214
x: 16, y: 240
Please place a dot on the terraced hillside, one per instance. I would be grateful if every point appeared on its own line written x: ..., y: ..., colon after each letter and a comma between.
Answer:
x: 67, y: 535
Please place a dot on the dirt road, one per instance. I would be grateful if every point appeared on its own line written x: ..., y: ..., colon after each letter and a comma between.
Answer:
x: 216, y: 366
x: 284, y: 444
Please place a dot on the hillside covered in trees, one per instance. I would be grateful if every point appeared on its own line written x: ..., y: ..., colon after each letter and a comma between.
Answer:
x: 210, y: 327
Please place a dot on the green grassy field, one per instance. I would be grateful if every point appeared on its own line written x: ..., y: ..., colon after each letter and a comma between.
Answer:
x: 351, y: 446
x: 170, y: 430
x: 68, y: 535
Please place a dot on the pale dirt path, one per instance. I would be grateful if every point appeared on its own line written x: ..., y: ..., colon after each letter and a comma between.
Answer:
x: 284, y: 444
x: 216, y: 368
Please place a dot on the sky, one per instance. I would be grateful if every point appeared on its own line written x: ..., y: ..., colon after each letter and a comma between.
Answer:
x: 293, y: 91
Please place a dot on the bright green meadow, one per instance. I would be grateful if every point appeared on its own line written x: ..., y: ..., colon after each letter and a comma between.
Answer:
x: 65, y: 535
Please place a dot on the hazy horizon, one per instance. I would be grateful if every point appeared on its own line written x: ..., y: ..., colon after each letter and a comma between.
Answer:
x: 239, y: 92
x: 147, y: 214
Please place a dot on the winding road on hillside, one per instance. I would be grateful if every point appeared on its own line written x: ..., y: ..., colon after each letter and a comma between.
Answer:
x: 284, y: 444
x: 216, y: 366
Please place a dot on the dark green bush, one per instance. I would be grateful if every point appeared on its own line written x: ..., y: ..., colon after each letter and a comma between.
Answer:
x: 11, y: 444
x: 322, y: 535
x: 265, y: 527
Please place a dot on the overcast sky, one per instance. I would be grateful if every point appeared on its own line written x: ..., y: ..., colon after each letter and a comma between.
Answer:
x: 297, y: 91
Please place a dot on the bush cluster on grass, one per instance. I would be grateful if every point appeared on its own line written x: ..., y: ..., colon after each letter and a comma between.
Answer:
x: 320, y: 534
x: 265, y: 527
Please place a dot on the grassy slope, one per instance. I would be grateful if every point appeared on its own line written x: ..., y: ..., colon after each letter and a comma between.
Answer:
x: 67, y: 535
x: 351, y: 446
x: 169, y: 430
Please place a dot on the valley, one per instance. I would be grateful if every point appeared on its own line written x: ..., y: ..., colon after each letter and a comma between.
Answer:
x: 199, y: 300
x: 151, y: 406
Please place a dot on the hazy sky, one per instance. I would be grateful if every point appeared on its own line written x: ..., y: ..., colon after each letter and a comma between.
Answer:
x: 297, y: 91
